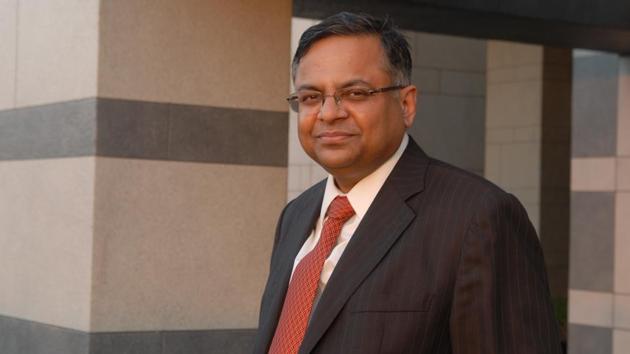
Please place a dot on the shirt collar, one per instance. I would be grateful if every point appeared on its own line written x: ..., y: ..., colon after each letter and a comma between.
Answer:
x: 364, y: 192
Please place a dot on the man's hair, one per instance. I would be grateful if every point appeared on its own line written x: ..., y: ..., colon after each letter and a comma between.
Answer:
x: 394, y: 44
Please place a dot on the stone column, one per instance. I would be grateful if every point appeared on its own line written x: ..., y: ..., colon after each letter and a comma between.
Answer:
x: 599, y: 297
x: 143, y: 162
x: 527, y: 141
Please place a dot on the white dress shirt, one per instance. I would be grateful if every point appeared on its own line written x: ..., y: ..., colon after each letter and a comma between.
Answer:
x: 360, y: 197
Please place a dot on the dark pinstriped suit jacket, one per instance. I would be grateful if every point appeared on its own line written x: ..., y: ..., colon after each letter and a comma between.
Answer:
x: 442, y: 262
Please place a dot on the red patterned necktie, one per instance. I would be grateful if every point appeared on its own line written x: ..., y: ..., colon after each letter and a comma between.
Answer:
x: 303, y: 286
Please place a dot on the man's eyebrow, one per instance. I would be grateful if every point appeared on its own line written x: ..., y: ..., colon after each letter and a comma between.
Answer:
x: 307, y: 87
x: 355, y: 82
x: 350, y: 83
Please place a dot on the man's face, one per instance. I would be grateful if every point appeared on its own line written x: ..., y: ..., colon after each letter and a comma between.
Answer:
x: 352, y: 140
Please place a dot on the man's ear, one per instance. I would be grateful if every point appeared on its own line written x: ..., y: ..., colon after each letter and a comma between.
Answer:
x: 408, y: 102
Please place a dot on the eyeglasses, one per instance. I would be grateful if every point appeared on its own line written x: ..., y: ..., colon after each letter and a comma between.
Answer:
x: 311, y: 101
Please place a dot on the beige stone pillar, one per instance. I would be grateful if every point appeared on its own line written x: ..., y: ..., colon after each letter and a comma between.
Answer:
x: 143, y: 162
x: 528, y: 111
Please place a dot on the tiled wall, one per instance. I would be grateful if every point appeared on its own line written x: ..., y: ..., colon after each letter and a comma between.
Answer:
x: 599, y: 299
x: 143, y: 165
x: 65, y: 34
x: 514, y: 121
x: 450, y: 75
x: 527, y: 140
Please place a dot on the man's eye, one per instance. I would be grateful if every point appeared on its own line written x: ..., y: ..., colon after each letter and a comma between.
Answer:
x: 356, y: 94
x: 309, y: 98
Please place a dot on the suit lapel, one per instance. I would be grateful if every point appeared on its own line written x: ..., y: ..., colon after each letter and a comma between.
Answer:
x: 386, y: 219
x: 293, y: 239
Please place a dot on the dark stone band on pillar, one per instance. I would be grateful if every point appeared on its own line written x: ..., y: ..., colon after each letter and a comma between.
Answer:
x: 23, y: 336
x: 145, y: 130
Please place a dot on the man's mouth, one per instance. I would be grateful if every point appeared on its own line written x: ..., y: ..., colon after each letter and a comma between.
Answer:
x: 334, y: 136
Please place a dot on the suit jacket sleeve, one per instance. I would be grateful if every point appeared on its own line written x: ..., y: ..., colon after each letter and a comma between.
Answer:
x: 501, y: 301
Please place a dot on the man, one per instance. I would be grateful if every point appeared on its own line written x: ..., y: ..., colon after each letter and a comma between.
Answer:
x: 395, y: 252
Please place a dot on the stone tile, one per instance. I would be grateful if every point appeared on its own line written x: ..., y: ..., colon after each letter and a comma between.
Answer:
x: 292, y: 195
x: 57, y: 50
x: 298, y: 26
x: 594, y: 105
x: 623, y: 174
x: 591, y: 308
x: 451, y: 128
x: 463, y: 83
x: 427, y: 81
x: 235, y: 341
x: 213, y: 274
x: 622, y: 311
x: 48, y: 131
x: 503, y: 54
x: 8, y: 34
x: 121, y: 128
x: 520, y: 165
x: 133, y: 129
x: 46, y: 253
x: 410, y: 36
x: 589, y: 340
x: 593, y: 174
x: 592, y: 241
x: 134, y: 65
x: 499, y: 135
x: 305, y: 176
x: 527, y: 134
x: 623, y: 113
x: 527, y: 195
x: 492, y: 169
x: 128, y: 343
x: 227, y: 135
x: 531, y: 72
x: 22, y: 336
x: 317, y: 174
x: 293, y: 179
x: 622, y: 243
x: 533, y: 212
x: 514, y: 104
x: 621, y: 341
x: 449, y: 52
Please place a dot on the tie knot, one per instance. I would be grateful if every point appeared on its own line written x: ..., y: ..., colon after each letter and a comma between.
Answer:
x: 340, y: 208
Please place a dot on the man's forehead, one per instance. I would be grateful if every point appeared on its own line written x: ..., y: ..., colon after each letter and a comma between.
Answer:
x: 346, y: 57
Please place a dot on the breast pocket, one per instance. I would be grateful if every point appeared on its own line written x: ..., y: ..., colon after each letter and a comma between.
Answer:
x: 398, y: 320
x: 393, y: 302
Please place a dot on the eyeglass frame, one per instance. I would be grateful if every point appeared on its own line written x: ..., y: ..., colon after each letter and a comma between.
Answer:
x: 294, y: 104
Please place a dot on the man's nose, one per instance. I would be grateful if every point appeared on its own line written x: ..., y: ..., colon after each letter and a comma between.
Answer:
x: 332, y: 109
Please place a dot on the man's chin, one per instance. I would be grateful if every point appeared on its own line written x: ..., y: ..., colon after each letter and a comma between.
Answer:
x: 333, y: 163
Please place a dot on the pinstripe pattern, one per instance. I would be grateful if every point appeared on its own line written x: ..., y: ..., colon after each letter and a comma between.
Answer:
x: 442, y: 262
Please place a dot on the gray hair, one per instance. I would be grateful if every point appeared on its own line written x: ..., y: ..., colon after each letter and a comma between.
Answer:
x: 394, y: 44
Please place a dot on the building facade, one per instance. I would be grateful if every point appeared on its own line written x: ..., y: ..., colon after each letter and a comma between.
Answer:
x: 146, y: 151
